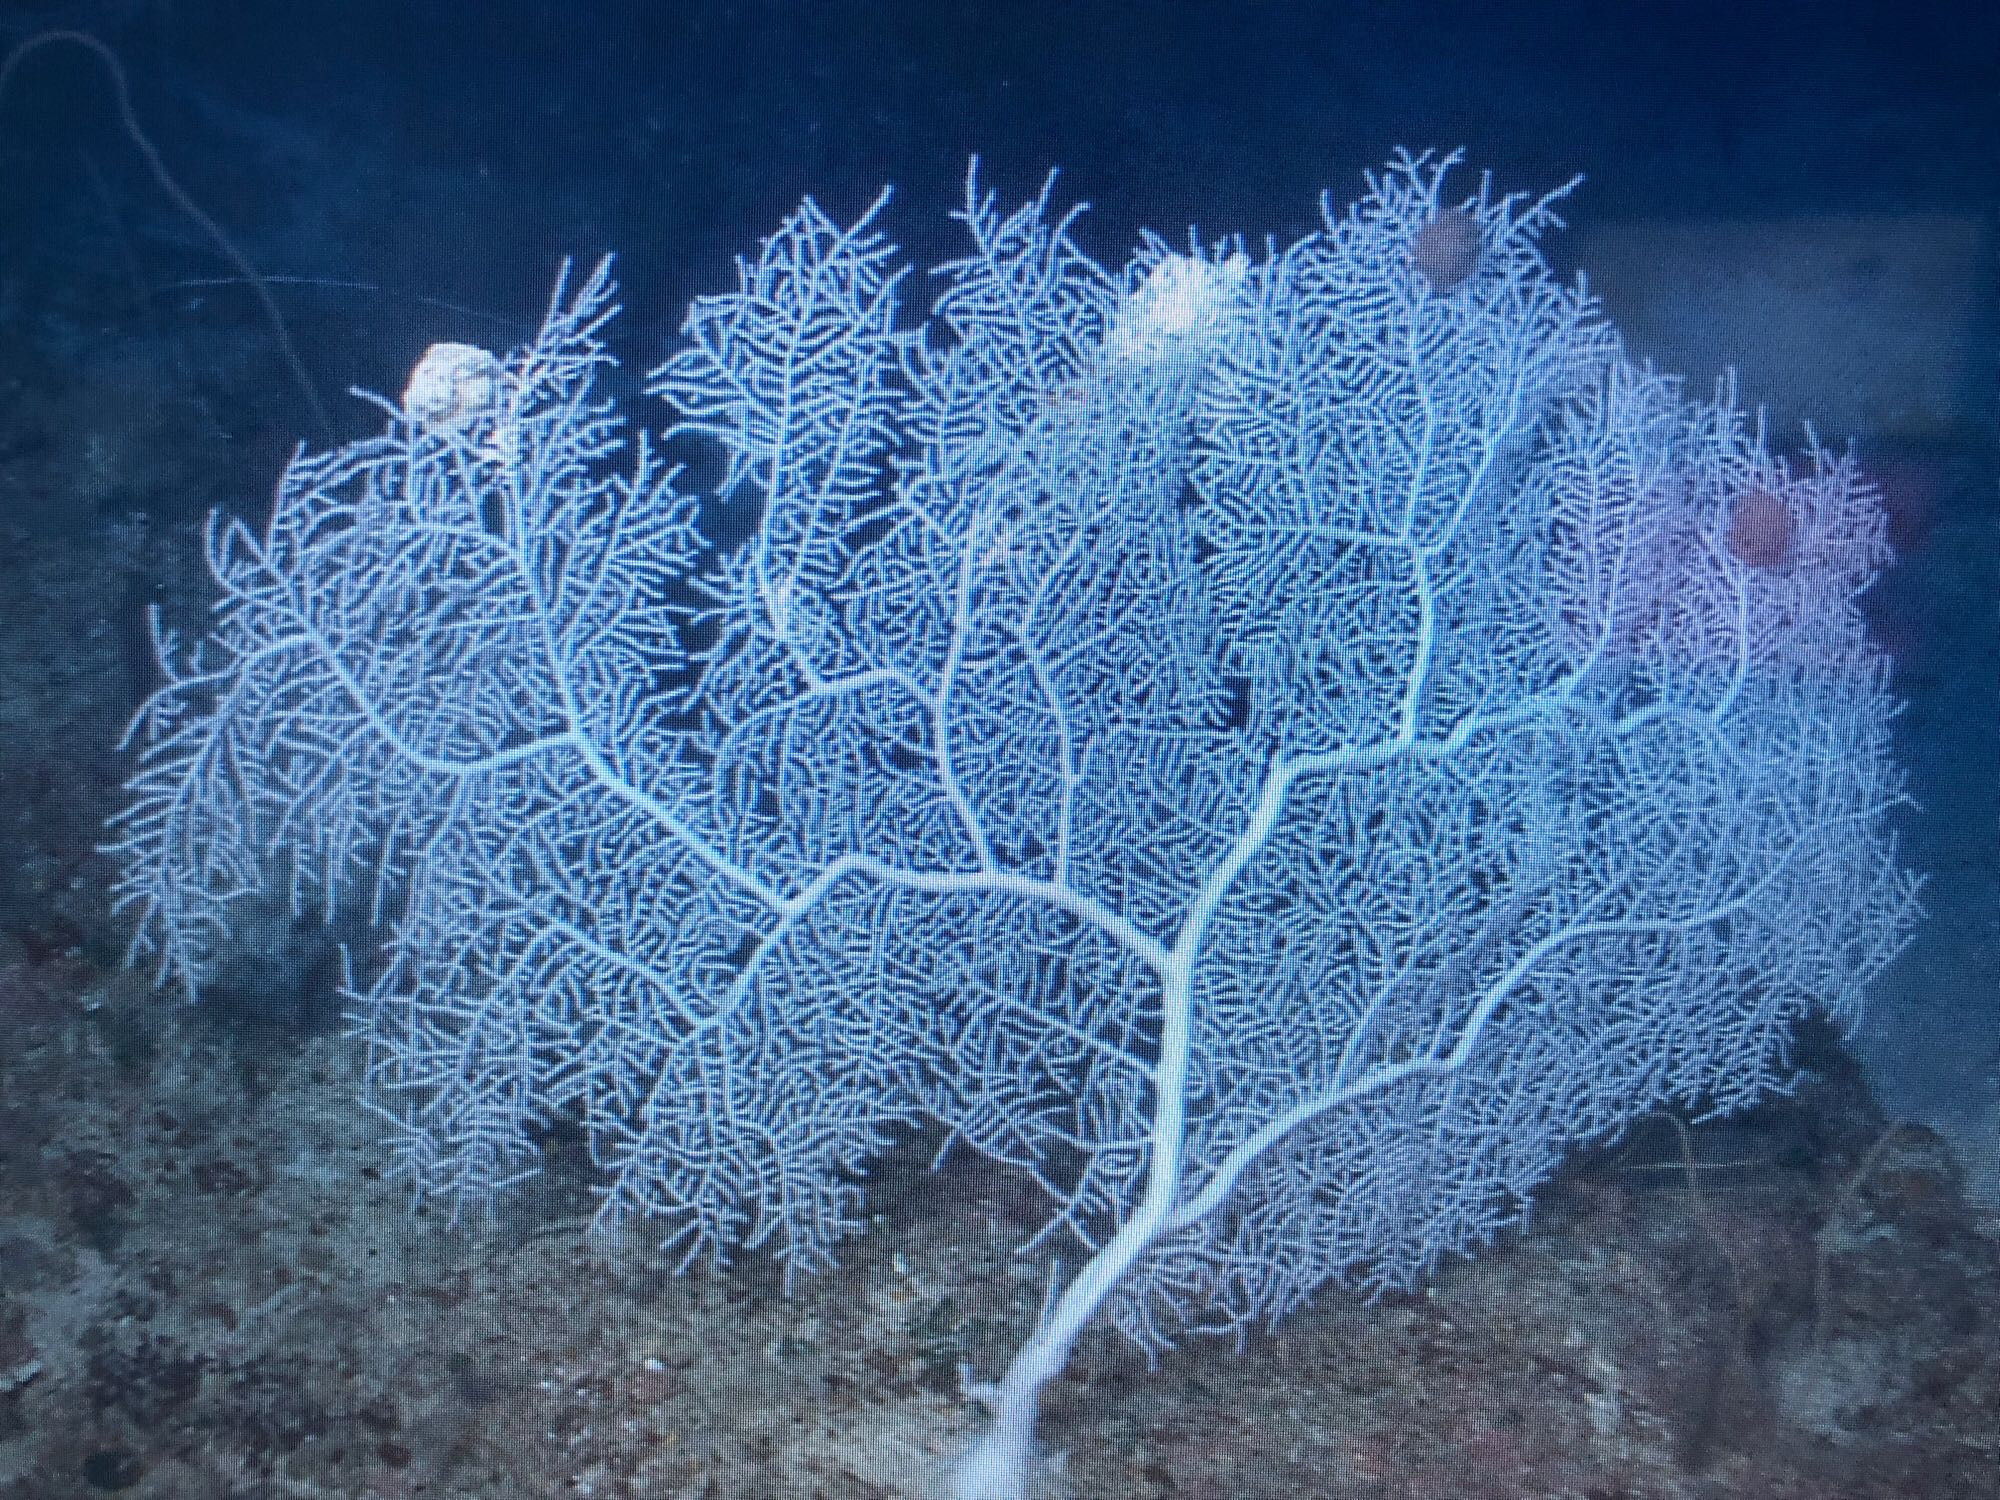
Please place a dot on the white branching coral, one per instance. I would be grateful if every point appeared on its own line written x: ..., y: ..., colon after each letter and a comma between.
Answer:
x: 1277, y: 756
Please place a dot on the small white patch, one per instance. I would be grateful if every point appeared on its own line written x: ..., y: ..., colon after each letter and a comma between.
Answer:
x: 1183, y: 307
x: 451, y: 386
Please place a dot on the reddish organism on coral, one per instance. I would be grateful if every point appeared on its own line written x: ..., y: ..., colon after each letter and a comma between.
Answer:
x: 1760, y: 530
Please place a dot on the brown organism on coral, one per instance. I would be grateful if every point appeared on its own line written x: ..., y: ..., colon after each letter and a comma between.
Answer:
x: 1446, y: 250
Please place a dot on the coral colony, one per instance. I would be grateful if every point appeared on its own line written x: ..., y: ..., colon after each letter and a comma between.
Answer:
x: 1276, y: 748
